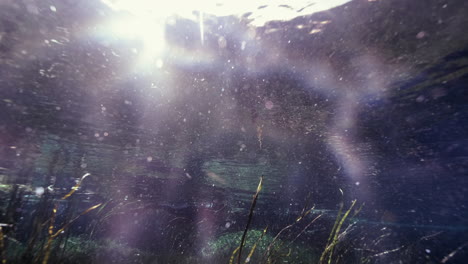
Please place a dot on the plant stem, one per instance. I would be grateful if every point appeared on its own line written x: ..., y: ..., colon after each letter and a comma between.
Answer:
x: 254, y: 202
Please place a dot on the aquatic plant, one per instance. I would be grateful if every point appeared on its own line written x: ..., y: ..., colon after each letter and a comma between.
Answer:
x: 2, y: 247
x: 249, y: 220
x: 80, y: 249
x: 52, y: 234
x: 43, y: 234
x: 274, y: 248
x: 335, y: 232
x: 257, y: 241
x: 83, y: 250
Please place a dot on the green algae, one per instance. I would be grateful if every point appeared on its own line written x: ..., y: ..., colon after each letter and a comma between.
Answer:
x: 222, y: 247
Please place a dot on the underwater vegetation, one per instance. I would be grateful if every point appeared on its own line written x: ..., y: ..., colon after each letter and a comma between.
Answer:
x: 51, y: 242
x: 80, y: 249
x: 44, y: 234
x: 333, y: 240
x: 267, y: 248
x: 259, y: 241
x: 308, y: 238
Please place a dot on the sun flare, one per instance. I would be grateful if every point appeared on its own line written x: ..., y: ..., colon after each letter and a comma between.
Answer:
x: 145, y: 20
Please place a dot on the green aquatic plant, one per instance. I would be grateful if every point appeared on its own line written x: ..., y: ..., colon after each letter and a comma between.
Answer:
x: 80, y: 249
x: 83, y: 250
x: 257, y: 241
x: 255, y: 246
x: 249, y: 220
x: 43, y: 235
x: 273, y: 248
x: 2, y: 246
x: 335, y: 232
x: 252, y: 251
x: 276, y: 248
x: 53, y: 234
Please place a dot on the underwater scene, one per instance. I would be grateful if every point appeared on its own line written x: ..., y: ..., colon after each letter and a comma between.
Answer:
x: 305, y: 131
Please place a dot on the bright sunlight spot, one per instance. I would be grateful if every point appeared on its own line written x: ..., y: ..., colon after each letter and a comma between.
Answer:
x: 145, y: 20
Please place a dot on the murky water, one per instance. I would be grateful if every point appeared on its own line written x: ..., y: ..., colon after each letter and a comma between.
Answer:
x: 175, y: 116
